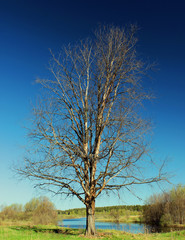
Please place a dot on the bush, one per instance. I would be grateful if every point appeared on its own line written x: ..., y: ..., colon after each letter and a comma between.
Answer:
x: 32, y: 205
x: 166, y: 220
x: 45, y: 213
x: 39, y: 210
x: 115, y: 214
x: 11, y: 212
x: 167, y: 208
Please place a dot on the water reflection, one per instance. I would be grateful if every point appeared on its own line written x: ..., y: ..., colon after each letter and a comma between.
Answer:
x: 81, y: 223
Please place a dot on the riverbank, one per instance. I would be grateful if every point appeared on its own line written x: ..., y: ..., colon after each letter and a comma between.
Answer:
x: 130, y: 219
x: 134, y: 218
x: 116, y: 214
x: 56, y: 233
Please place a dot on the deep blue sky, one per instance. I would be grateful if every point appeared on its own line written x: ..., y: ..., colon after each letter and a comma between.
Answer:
x: 29, y: 28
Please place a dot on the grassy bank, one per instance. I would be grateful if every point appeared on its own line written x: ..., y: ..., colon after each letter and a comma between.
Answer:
x: 121, y: 219
x: 56, y: 233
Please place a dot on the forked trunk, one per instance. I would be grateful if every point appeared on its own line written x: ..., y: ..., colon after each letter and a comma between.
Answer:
x: 90, y: 219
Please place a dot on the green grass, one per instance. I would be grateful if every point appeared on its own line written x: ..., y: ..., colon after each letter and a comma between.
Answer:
x: 38, y: 233
x: 56, y: 233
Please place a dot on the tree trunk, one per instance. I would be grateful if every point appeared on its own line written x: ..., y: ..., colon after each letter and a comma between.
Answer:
x: 90, y: 219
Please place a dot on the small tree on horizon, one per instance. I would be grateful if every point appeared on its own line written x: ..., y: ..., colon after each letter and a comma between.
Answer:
x: 88, y: 135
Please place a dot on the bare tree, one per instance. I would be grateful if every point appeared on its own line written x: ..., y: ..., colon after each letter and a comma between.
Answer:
x: 87, y: 132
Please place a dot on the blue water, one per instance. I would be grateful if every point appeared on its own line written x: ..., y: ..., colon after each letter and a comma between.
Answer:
x: 81, y: 223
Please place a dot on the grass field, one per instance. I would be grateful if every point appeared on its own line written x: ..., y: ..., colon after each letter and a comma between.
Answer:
x: 56, y: 233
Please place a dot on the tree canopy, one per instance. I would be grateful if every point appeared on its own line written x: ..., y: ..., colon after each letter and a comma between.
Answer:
x: 88, y: 134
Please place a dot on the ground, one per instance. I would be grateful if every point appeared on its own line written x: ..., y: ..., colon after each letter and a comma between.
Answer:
x: 57, y: 233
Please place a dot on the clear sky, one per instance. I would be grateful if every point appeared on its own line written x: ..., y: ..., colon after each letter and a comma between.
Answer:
x: 29, y: 28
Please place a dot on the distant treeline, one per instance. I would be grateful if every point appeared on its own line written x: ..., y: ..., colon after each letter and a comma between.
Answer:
x: 81, y: 211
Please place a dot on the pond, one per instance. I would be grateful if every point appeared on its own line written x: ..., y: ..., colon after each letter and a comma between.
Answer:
x: 131, y: 227
x: 81, y: 223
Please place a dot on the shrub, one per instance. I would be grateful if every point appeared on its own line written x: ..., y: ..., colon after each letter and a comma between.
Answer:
x: 39, y: 210
x: 153, y: 211
x: 166, y: 220
x: 167, y: 208
x: 11, y: 212
x: 45, y: 213
x: 115, y: 214
x: 32, y: 205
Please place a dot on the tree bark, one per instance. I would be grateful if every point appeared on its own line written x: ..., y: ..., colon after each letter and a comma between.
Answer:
x: 90, y: 218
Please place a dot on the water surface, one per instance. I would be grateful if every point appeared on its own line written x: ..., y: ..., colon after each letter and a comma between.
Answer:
x: 81, y: 223
x: 127, y: 227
